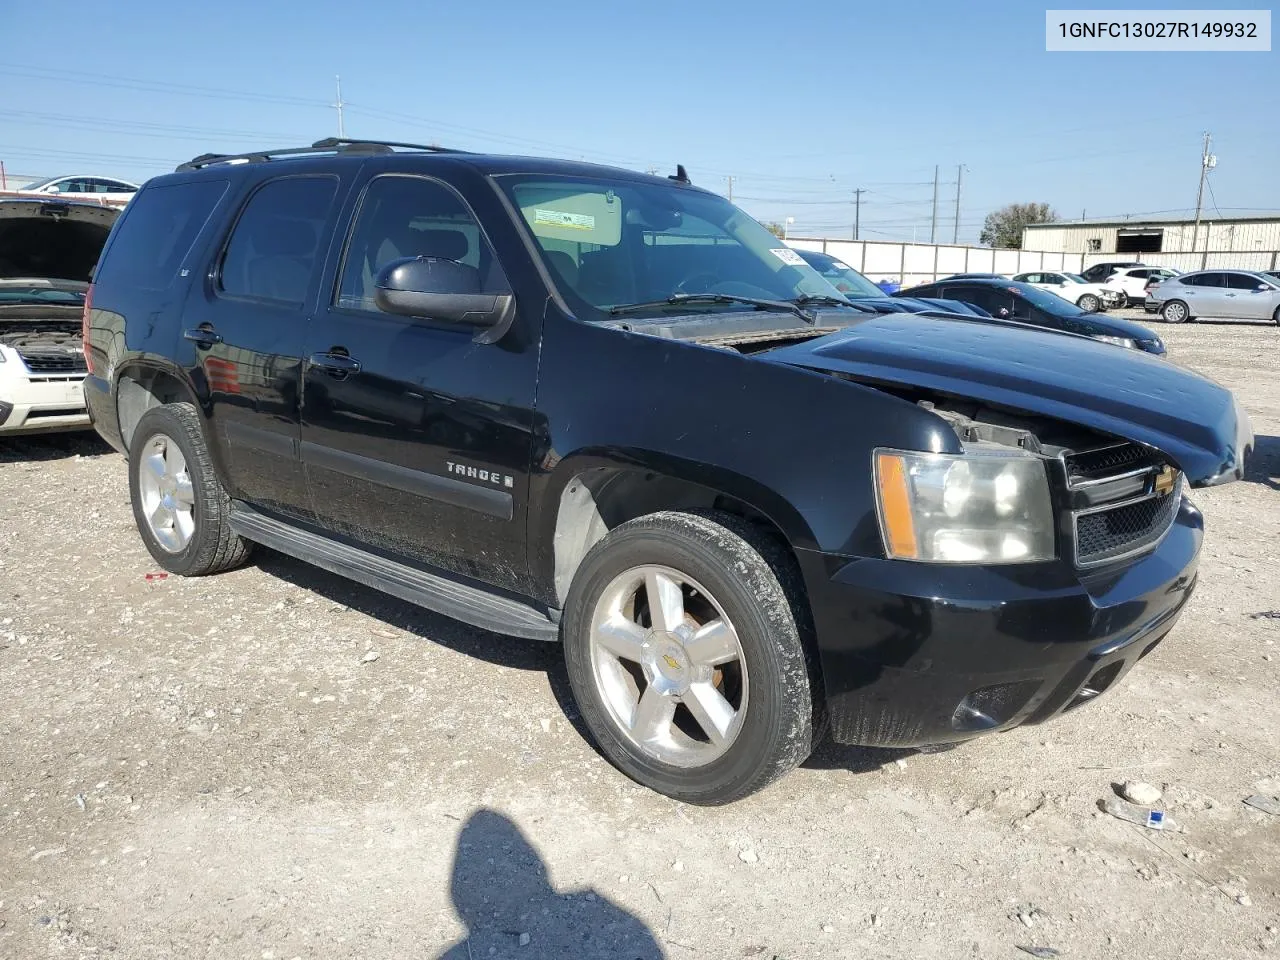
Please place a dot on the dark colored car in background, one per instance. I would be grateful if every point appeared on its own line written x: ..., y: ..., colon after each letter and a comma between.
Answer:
x: 1100, y: 272
x: 858, y: 288
x: 1024, y: 303
x: 574, y: 403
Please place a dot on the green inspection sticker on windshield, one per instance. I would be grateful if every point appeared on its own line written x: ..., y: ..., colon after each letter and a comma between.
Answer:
x: 562, y: 218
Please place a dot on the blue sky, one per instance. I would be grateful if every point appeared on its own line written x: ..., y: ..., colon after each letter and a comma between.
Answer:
x: 801, y: 103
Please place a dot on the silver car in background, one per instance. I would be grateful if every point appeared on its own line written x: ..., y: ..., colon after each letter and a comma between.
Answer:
x: 1228, y: 294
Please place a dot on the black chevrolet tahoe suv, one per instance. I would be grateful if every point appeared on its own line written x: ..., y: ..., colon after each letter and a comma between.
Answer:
x: 568, y: 402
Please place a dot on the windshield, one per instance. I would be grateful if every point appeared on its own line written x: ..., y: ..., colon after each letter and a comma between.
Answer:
x: 1050, y: 303
x: 39, y: 184
x: 1076, y: 278
x: 18, y: 293
x: 610, y: 243
x: 841, y: 276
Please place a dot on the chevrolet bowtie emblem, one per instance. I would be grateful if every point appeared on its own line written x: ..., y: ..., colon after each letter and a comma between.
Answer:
x: 672, y: 662
x: 1165, y: 479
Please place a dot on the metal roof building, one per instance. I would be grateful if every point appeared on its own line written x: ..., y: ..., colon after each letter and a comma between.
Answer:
x: 1250, y: 241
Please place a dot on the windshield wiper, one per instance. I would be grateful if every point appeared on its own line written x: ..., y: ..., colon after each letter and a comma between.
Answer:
x: 810, y: 298
x: 680, y: 299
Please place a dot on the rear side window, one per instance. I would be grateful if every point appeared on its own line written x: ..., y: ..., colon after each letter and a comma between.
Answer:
x: 272, y: 251
x: 159, y: 227
x: 1242, y: 281
x: 1211, y: 280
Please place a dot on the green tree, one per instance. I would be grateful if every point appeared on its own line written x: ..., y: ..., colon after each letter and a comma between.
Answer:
x: 1003, y: 227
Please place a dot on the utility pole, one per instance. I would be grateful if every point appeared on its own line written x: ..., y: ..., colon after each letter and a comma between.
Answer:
x: 933, y: 224
x: 955, y: 235
x: 730, y: 179
x: 857, y: 210
x: 1207, y: 161
x: 338, y: 105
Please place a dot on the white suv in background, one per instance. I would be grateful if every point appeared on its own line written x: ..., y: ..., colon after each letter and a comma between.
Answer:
x: 1133, y: 280
x: 48, y: 247
x: 85, y: 188
x: 1089, y: 297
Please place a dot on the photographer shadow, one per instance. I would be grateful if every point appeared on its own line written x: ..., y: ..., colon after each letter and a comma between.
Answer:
x: 501, y: 893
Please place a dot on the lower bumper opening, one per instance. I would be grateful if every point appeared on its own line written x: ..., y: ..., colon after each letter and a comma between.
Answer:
x: 1096, y: 685
x: 994, y: 706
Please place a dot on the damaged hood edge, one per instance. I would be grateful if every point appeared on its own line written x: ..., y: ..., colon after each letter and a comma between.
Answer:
x: 1195, y: 422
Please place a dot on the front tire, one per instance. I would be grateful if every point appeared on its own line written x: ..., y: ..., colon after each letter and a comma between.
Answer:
x: 1175, y: 311
x: 1089, y: 303
x: 179, y: 506
x: 689, y: 652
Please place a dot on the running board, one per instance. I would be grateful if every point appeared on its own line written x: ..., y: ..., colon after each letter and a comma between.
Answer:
x: 472, y: 605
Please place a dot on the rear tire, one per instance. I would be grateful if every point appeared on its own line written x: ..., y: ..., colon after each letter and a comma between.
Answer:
x: 1175, y: 311
x: 180, y: 508
x: 702, y: 722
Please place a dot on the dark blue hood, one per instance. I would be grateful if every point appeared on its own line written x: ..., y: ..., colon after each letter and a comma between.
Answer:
x: 1194, y: 421
x: 920, y: 305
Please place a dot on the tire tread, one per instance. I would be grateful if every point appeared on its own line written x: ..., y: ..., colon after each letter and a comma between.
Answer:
x: 217, y: 548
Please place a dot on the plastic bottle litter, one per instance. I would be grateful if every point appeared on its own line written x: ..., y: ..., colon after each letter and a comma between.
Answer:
x: 1143, y: 817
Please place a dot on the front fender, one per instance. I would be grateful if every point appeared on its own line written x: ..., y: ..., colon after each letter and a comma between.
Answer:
x: 793, y: 443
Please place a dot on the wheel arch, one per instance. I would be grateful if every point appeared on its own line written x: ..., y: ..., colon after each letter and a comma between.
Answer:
x: 141, y: 387
x: 590, y: 495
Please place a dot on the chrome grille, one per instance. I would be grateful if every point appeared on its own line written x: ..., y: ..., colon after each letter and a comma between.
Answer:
x: 1106, y: 462
x: 1118, y: 508
x: 1110, y: 533
x: 43, y: 362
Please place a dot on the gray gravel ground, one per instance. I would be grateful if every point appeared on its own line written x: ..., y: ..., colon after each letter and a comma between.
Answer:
x: 219, y: 768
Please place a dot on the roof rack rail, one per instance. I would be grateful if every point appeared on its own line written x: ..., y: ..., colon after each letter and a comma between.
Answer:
x: 332, y: 145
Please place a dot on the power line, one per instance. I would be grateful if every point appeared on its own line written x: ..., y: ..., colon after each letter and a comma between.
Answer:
x: 153, y: 86
x: 141, y: 128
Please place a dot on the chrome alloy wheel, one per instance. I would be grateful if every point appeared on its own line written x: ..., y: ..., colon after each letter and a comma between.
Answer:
x: 168, y: 499
x: 668, y: 666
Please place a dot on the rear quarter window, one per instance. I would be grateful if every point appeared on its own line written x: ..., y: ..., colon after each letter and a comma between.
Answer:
x: 157, y: 232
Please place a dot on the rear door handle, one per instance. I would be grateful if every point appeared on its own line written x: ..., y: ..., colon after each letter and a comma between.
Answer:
x: 202, y: 336
x: 337, y: 365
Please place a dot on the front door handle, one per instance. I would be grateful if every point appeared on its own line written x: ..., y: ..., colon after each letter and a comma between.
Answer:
x: 202, y: 336
x: 337, y: 365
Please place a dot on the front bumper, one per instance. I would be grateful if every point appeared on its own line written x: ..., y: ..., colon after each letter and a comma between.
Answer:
x: 916, y: 654
x: 35, y: 404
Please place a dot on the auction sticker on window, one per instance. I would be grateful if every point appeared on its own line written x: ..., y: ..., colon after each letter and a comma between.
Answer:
x: 561, y: 218
x: 788, y: 256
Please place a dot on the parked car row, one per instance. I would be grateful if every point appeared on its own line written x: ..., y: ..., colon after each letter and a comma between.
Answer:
x: 1042, y: 302
x: 1176, y: 297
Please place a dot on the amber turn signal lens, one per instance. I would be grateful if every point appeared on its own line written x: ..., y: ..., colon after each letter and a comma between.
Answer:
x: 895, y: 507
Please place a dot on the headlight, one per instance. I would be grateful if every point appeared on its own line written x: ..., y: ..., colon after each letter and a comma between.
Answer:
x: 1118, y: 341
x: 966, y: 508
